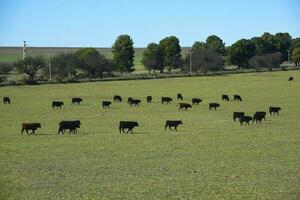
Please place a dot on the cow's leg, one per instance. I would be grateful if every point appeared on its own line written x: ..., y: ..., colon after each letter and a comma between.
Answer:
x: 166, y: 127
x: 123, y: 130
x: 22, y: 131
x: 170, y: 128
x: 27, y: 131
x: 175, y: 128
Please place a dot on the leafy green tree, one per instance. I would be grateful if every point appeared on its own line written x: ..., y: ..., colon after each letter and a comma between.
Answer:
x: 269, y: 61
x: 296, y: 56
x: 171, y: 49
x: 153, y: 57
x: 215, y: 43
x: 295, y: 43
x: 30, y: 66
x: 123, y: 53
x: 240, y: 52
x: 263, y: 46
x: 198, y: 47
x: 283, y: 44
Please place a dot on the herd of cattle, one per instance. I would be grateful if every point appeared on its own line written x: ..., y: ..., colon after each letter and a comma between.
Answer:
x: 72, y: 126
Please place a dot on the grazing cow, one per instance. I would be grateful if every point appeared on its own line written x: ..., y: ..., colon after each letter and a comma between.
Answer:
x: 238, y: 115
x: 273, y: 110
x: 117, y: 98
x: 76, y: 100
x: 68, y: 125
x: 184, y: 106
x: 172, y: 123
x: 106, y: 104
x: 166, y: 99
x: 179, y: 96
x: 30, y: 126
x: 225, y: 97
x: 57, y: 104
x: 127, y: 125
x: 196, y: 101
x: 149, y: 99
x: 291, y: 78
x: 237, y: 98
x: 135, y: 102
x: 6, y: 100
x: 213, y: 105
x: 259, y: 116
x: 129, y: 100
x: 246, y: 119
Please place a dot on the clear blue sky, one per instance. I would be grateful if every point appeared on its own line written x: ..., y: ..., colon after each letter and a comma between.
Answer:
x: 97, y: 23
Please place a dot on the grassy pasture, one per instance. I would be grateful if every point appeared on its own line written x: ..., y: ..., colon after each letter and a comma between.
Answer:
x: 210, y: 157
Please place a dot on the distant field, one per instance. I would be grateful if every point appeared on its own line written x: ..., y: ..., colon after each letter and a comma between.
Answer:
x: 11, y: 54
x: 210, y: 157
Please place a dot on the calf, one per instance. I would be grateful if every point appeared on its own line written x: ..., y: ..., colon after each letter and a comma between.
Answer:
x: 172, y: 123
x: 245, y: 119
x: 238, y: 115
x: 117, y: 98
x: 196, y: 101
x: 259, y: 116
x: 135, y: 102
x: 291, y: 78
x: 106, y: 104
x: 127, y: 125
x: 30, y: 126
x: 68, y: 125
x: 76, y: 100
x: 6, y: 100
x: 273, y: 110
x: 213, y: 105
x: 237, y: 98
x: 225, y: 97
x: 166, y: 99
x: 129, y: 100
x: 149, y: 99
x: 179, y: 96
x: 57, y: 104
x: 184, y: 106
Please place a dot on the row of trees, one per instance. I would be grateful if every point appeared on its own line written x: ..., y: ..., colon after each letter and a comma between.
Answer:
x: 266, y: 51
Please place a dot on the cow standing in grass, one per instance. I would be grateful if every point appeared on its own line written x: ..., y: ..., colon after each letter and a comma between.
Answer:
x: 225, y: 97
x: 135, y: 102
x: 245, y: 119
x: 291, y: 78
x: 238, y: 115
x: 179, y: 96
x: 184, y: 106
x: 68, y: 125
x: 30, y: 126
x: 213, y: 105
x: 172, y: 123
x: 259, y: 116
x: 273, y: 110
x: 117, y: 98
x: 196, y: 101
x: 6, y: 100
x: 149, y: 99
x: 76, y: 100
x: 57, y: 104
x: 166, y: 99
x: 237, y: 98
x: 127, y: 125
x: 106, y: 104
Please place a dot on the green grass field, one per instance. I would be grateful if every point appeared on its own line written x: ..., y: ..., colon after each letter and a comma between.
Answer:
x: 210, y: 157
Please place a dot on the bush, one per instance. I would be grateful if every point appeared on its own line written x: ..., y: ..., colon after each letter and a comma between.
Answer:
x: 5, y: 68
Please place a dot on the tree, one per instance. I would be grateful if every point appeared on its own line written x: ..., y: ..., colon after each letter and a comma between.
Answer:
x: 295, y: 43
x: 5, y: 68
x: 215, y: 43
x: 240, y: 52
x: 198, y: 46
x: 269, y: 61
x: 123, y: 53
x: 153, y: 57
x: 171, y: 49
x: 283, y: 44
x: 296, y: 56
x: 263, y: 46
x: 30, y: 66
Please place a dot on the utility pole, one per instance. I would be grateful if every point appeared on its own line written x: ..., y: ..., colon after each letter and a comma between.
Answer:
x: 24, y: 50
x: 50, y: 70
x: 190, y: 52
x: 289, y: 55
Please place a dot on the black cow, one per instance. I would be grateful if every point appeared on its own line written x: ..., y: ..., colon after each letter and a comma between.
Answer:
x: 129, y: 100
x: 106, y: 104
x: 76, y: 100
x: 237, y: 98
x: 179, y: 96
x: 225, y: 97
x: 291, y: 78
x: 135, y: 102
x: 57, y: 104
x: 196, y: 101
x: 238, y: 115
x: 117, y: 98
x: 273, y: 110
x: 213, y: 105
x: 30, y: 126
x: 184, y: 106
x: 127, y: 125
x: 259, y: 116
x: 172, y: 123
x: 6, y: 100
x: 68, y: 125
x: 149, y: 99
x: 246, y: 119
x: 166, y: 99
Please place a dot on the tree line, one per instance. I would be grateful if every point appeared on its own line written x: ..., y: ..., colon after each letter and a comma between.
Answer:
x: 266, y: 51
